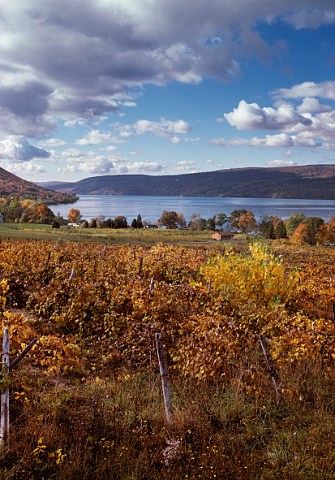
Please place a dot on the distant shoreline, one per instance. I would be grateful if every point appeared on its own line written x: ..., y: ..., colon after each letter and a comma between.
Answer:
x: 309, y: 182
x: 151, y: 207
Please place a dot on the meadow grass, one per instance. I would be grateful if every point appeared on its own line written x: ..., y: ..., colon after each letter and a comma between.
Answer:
x: 103, y: 235
x: 115, y: 428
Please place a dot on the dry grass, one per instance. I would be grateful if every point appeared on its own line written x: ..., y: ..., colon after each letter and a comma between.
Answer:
x: 101, y: 235
x: 116, y: 429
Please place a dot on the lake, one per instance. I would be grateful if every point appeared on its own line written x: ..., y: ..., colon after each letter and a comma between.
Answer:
x: 150, y: 208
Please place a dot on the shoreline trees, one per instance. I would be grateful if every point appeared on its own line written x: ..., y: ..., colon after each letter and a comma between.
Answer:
x: 297, y: 228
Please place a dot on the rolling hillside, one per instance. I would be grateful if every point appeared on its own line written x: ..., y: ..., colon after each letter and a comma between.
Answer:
x: 306, y: 182
x: 13, y: 186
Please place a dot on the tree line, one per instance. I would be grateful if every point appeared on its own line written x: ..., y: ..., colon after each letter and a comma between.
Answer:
x: 25, y: 211
x: 297, y: 227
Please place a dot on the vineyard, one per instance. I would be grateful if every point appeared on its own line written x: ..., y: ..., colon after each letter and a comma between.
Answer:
x: 86, y: 401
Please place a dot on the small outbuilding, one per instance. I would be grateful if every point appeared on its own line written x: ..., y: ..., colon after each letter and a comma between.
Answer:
x: 223, y: 236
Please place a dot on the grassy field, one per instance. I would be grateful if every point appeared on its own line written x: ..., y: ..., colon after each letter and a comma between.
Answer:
x: 129, y: 235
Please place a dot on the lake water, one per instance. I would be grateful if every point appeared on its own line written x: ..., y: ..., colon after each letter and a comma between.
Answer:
x: 150, y: 208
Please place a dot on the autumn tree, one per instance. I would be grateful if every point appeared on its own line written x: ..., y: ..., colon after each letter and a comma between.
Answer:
x: 235, y: 217
x: 300, y: 235
x: 326, y: 234
x: 74, y: 215
x: 247, y: 222
x: 293, y: 221
x: 120, y: 222
x: 172, y: 219
x: 44, y: 214
x: 12, y: 210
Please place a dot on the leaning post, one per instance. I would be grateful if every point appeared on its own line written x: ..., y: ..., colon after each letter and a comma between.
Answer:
x: 4, y: 416
x: 271, y: 367
x: 164, y: 378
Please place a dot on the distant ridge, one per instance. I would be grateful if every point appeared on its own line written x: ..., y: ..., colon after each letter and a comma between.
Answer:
x: 305, y: 182
x: 15, y: 187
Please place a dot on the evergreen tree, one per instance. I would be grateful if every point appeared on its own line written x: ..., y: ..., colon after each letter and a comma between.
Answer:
x: 265, y: 226
x: 211, y: 222
x: 313, y: 225
x: 279, y: 229
x: 221, y: 219
x: 139, y: 221
x: 108, y: 223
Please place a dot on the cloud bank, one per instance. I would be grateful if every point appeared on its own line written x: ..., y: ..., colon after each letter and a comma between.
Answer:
x: 303, y: 121
x: 77, y: 60
x: 73, y: 64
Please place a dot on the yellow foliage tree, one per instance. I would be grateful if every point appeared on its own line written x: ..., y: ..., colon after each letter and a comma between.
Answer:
x: 247, y: 222
x: 300, y: 235
x: 252, y: 286
x: 326, y: 234
x: 74, y: 215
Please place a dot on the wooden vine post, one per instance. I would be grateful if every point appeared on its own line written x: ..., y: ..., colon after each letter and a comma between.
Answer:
x: 164, y: 378
x: 71, y: 275
x: 140, y: 268
x: 209, y: 286
x: 271, y: 367
x: 4, y: 418
x: 7, y: 366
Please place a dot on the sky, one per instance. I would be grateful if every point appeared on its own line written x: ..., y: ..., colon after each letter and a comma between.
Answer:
x: 161, y: 87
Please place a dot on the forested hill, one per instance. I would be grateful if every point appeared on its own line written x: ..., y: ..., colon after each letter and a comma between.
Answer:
x: 15, y: 187
x: 306, y: 182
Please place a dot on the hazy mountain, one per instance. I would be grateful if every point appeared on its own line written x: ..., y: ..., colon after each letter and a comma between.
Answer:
x: 306, y: 182
x: 13, y: 186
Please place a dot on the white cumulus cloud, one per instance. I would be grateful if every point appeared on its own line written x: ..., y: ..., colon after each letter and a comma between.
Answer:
x: 94, y: 137
x: 281, y: 163
x: 325, y: 90
x: 250, y: 116
x: 164, y: 128
x: 281, y: 140
x: 20, y: 150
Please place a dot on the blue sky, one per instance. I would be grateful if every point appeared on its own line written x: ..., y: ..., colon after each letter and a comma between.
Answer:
x: 157, y: 87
